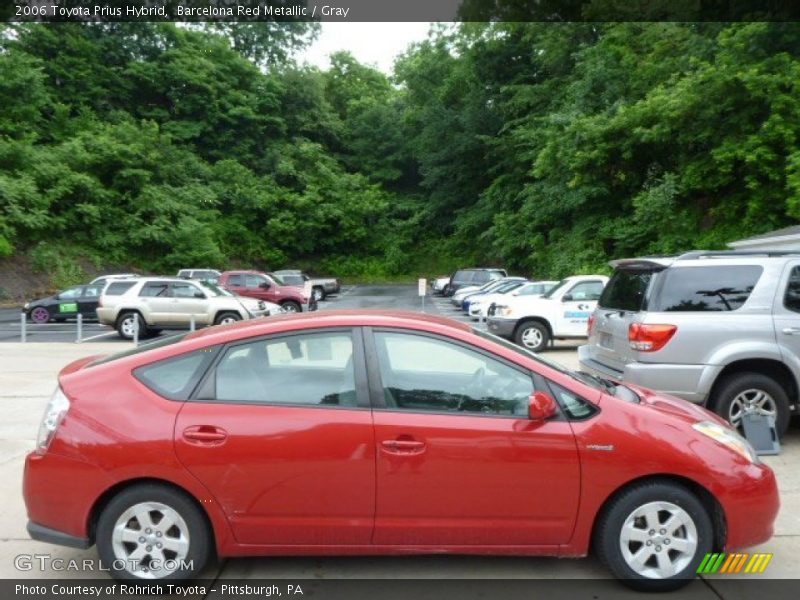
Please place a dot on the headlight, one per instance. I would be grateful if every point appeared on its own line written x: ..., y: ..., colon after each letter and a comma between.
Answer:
x: 27, y: 305
x: 53, y: 415
x: 503, y: 311
x: 727, y: 437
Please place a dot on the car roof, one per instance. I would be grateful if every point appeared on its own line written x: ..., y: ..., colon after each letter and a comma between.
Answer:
x: 328, y: 318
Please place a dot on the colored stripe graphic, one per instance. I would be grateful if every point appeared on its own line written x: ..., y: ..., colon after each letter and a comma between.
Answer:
x: 722, y: 563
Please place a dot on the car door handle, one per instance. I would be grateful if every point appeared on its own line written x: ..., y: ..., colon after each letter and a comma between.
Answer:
x: 206, y: 435
x: 402, y: 446
x: 791, y: 330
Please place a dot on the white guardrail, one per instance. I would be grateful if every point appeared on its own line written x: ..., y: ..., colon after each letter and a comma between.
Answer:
x: 23, y: 325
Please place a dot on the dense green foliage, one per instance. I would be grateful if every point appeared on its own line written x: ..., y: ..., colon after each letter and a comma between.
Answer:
x: 550, y: 148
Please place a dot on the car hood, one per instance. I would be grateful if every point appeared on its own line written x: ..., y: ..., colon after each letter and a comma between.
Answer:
x: 675, y: 407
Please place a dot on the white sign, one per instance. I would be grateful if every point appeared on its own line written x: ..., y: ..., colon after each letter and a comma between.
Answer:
x: 423, y: 287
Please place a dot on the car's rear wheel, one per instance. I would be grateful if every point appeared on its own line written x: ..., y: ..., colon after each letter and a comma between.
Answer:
x: 127, y: 323
x: 227, y: 317
x: 653, y: 536
x: 532, y: 335
x: 290, y: 306
x: 151, y: 531
x: 752, y: 392
x: 318, y: 294
x: 40, y: 315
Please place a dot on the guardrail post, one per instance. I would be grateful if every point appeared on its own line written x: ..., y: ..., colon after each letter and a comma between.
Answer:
x: 136, y: 330
x: 80, y: 328
x: 23, y: 322
x: 191, y: 322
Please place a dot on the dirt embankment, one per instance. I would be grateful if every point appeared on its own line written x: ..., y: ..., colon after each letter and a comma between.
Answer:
x: 20, y: 282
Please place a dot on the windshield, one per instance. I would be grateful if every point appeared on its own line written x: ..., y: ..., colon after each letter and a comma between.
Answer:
x: 549, y: 293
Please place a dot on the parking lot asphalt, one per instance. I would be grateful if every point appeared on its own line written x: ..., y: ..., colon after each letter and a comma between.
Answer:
x: 27, y: 378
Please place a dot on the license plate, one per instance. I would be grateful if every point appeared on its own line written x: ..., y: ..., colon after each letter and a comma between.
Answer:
x: 606, y: 341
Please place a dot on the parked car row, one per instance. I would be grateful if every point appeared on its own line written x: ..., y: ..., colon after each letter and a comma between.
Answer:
x: 126, y: 301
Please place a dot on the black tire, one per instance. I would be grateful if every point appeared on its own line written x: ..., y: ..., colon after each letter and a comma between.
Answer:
x: 228, y: 317
x: 320, y: 294
x: 200, y: 538
x: 532, y: 335
x: 733, y: 385
x: 291, y: 306
x: 123, y: 326
x: 609, y: 530
x: 446, y: 291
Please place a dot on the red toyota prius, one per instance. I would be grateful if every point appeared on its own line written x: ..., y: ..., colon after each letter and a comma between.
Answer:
x: 381, y: 433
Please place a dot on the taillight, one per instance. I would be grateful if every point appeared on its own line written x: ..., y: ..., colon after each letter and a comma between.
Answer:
x: 590, y: 325
x: 53, y: 415
x: 649, y: 338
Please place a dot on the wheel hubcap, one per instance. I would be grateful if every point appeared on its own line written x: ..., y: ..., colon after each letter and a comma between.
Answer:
x: 151, y: 540
x: 129, y: 326
x: 317, y: 295
x: 290, y: 308
x: 751, y: 401
x: 658, y: 540
x: 40, y: 315
x: 532, y: 338
x: 226, y: 320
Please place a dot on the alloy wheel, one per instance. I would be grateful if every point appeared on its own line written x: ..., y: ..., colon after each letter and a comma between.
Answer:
x: 658, y: 540
x: 532, y: 337
x: 752, y: 400
x: 151, y: 539
x: 40, y: 315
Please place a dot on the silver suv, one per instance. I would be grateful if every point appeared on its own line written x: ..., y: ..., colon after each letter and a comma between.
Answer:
x: 172, y: 303
x: 716, y: 328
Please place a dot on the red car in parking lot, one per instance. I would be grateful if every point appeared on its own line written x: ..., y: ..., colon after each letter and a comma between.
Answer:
x: 357, y: 432
x: 256, y: 284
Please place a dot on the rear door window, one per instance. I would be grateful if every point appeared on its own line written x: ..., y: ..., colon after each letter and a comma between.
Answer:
x: 119, y: 287
x: 626, y: 290
x: 705, y: 289
x: 463, y: 276
x: 155, y: 289
x: 237, y: 280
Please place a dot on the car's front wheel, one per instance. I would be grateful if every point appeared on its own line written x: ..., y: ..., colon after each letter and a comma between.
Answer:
x: 40, y: 315
x: 654, y: 535
x: 151, y: 531
x: 228, y: 317
x: 532, y: 335
x: 290, y: 306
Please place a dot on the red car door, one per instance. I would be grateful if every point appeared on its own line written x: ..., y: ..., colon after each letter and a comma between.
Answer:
x: 283, y: 440
x: 458, y: 460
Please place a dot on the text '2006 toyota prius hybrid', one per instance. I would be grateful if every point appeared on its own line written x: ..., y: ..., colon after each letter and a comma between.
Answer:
x: 356, y: 432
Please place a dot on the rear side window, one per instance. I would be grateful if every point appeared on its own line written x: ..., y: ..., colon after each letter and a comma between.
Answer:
x: 174, y: 378
x: 705, y: 289
x: 463, y: 276
x: 119, y: 287
x: 155, y: 289
x: 626, y: 290
x: 791, y: 299
x: 236, y: 280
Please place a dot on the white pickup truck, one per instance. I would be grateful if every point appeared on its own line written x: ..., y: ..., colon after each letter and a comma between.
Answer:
x: 561, y: 313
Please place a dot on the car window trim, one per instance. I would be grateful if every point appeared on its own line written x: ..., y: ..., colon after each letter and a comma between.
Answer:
x: 206, y: 388
x: 376, y: 388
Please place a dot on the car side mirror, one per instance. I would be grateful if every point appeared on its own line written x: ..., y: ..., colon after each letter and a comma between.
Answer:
x: 566, y: 298
x: 541, y: 407
x: 199, y: 294
x: 264, y: 285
